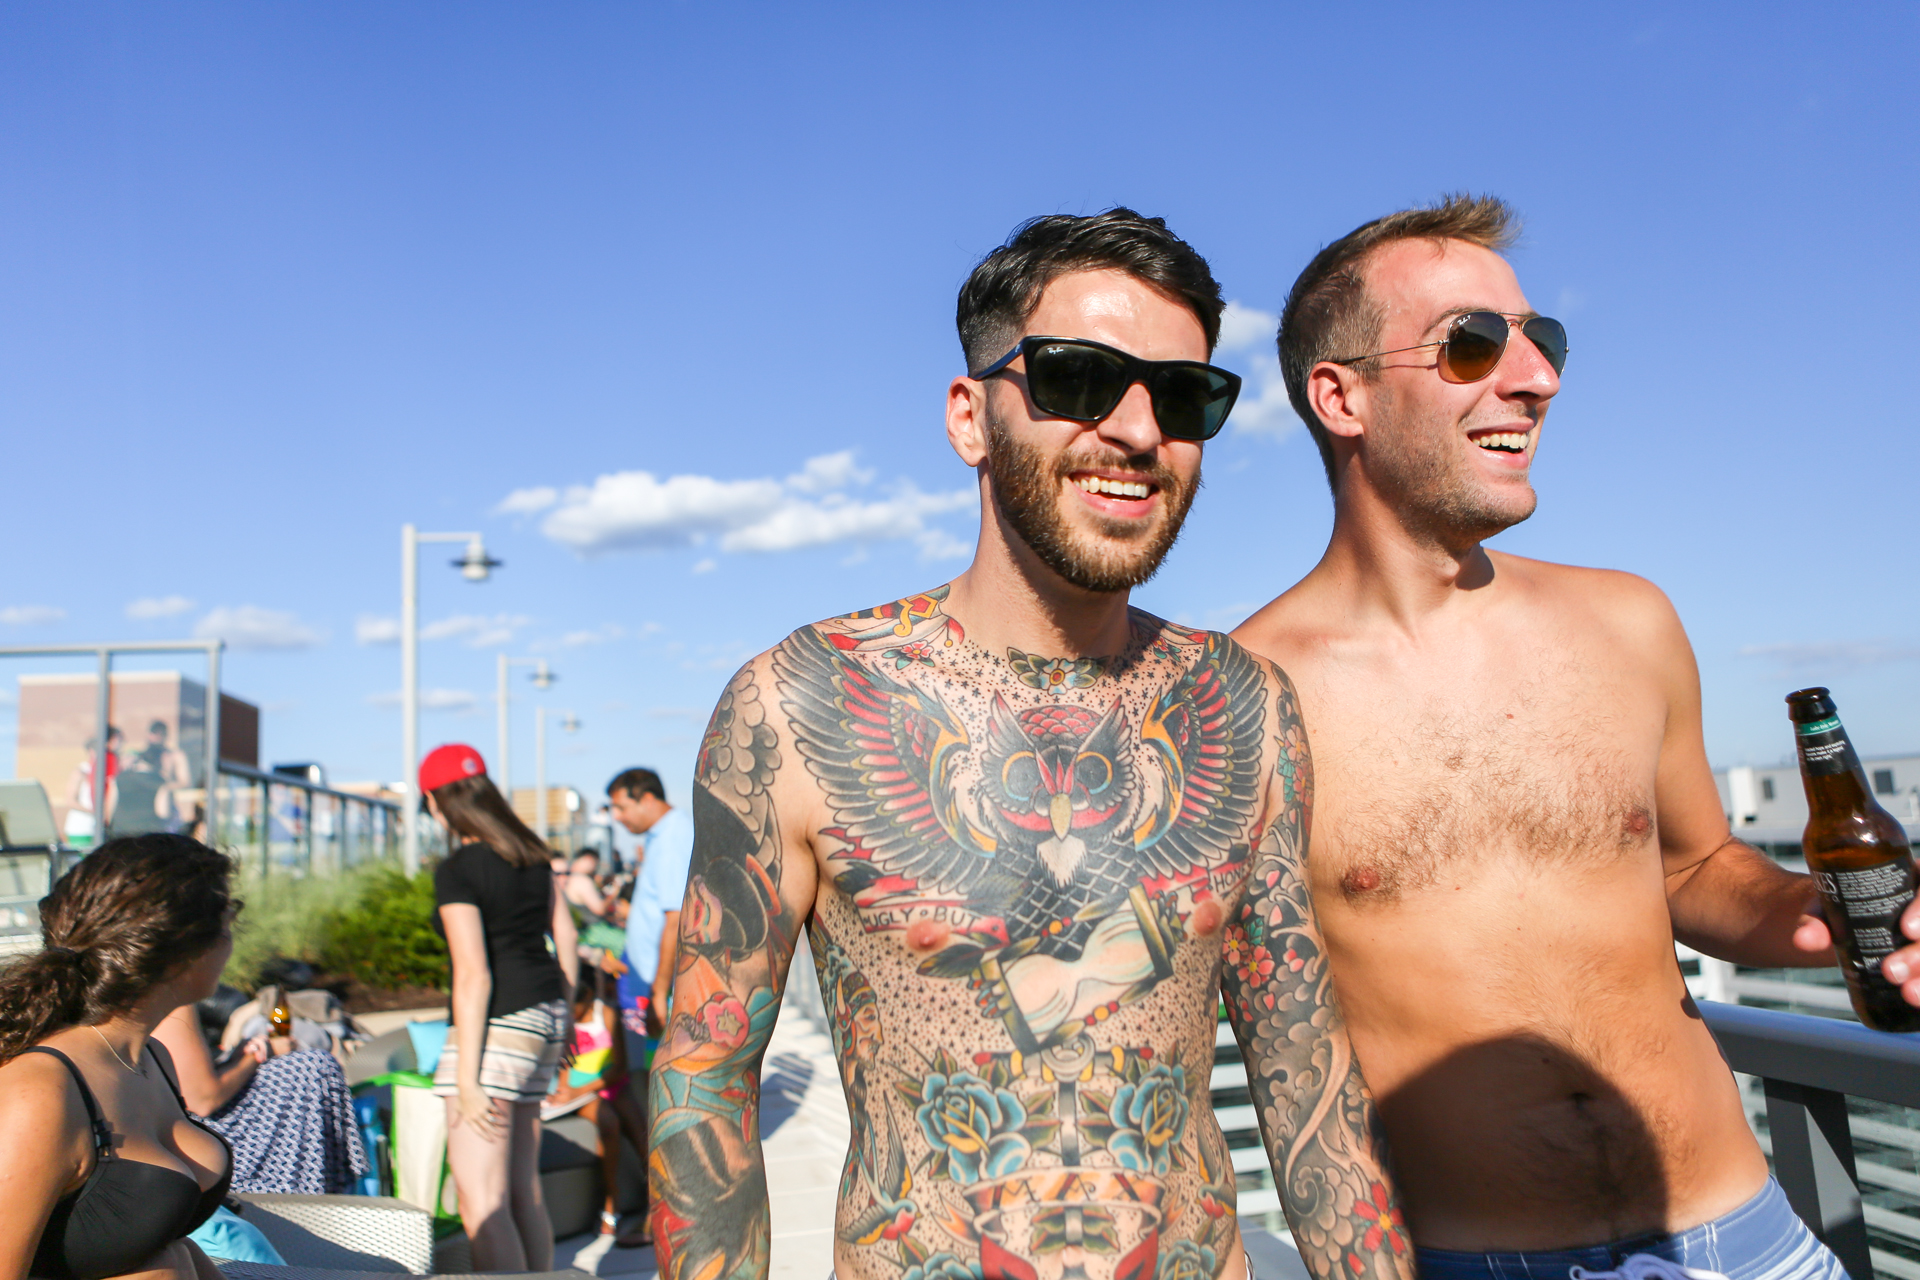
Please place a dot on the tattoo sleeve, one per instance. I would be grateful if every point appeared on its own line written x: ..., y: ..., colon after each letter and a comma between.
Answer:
x: 742, y: 914
x: 1316, y: 1114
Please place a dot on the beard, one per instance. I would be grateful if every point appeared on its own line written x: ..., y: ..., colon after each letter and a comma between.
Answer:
x: 1120, y: 553
x: 1427, y: 482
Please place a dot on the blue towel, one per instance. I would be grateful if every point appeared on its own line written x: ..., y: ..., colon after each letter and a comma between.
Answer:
x: 227, y: 1235
x: 428, y: 1039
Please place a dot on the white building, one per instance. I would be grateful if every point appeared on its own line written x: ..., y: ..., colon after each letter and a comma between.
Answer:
x: 1768, y: 805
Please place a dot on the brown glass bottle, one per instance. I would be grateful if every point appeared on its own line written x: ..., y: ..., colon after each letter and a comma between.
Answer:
x: 1859, y: 856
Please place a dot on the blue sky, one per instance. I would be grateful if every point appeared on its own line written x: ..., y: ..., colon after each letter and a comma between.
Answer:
x: 275, y: 279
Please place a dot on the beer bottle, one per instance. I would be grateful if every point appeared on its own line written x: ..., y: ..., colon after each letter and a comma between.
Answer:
x: 1859, y: 856
x: 280, y: 1021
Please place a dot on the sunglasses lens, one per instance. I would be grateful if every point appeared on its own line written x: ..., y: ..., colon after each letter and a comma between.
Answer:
x: 1191, y: 401
x: 1474, y: 346
x: 1071, y: 381
x: 1551, y: 337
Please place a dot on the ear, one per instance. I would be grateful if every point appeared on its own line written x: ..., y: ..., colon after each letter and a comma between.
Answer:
x: 1340, y: 397
x: 967, y: 420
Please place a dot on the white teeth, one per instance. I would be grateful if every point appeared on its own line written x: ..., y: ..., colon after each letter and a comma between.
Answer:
x: 1507, y: 441
x: 1112, y: 488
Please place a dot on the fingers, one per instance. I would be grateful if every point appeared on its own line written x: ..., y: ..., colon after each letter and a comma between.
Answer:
x: 1812, y: 934
x: 1903, y: 966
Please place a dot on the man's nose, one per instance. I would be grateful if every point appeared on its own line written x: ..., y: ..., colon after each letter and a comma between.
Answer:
x: 1524, y: 371
x: 1131, y: 426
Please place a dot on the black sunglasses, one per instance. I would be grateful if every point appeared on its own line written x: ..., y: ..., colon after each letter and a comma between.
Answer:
x: 1476, y: 340
x: 1083, y: 380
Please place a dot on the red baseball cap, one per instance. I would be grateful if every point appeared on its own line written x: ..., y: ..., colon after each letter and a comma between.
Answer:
x: 450, y: 763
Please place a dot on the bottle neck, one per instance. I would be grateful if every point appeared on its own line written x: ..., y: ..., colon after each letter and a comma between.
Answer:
x: 1830, y: 766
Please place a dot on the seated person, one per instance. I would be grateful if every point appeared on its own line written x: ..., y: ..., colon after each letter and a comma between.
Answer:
x: 282, y: 1105
x: 106, y: 1172
x: 598, y: 1086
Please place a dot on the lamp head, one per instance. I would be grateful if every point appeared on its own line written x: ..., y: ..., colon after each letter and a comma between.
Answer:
x: 570, y: 723
x: 476, y: 565
x: 543, y: 676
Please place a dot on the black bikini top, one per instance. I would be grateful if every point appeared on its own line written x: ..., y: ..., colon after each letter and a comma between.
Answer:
x: 127, y: 1210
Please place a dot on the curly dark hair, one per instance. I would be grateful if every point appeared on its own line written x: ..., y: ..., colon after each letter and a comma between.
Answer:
x: 127, y: 918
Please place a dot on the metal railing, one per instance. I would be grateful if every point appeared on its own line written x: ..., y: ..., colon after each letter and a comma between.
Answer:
x: 1808, y: 1067
x: 279, y: 825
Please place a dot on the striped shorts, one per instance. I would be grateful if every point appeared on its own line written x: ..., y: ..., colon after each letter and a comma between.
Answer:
x: 519, y: 1054
x: 1761, y: 1240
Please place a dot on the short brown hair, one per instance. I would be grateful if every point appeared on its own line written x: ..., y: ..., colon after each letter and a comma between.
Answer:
x: 1329, y: 315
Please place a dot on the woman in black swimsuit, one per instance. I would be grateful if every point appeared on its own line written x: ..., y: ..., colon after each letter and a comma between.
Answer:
x: 104, y: 1173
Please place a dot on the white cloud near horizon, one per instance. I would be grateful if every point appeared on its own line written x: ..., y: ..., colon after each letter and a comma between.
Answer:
x: 1263, y: 408
x: 31, y: 615
x: 477, y: 630
x: 430, y: 700
x: 149, y: 607
x: 635, y: 510
x: 250, y: 626
x: 526, y: 502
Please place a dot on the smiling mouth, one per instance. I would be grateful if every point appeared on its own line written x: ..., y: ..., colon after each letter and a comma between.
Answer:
x: 1504, y: 441
x: 1113, y: 488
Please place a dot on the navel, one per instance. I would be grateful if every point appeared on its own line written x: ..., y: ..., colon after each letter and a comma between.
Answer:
x: 1207, y: 917
x: 928, y: 936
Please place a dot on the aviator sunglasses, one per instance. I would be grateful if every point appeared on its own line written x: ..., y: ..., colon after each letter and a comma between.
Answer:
x: 1083, y: 380
x: 1476, y: 340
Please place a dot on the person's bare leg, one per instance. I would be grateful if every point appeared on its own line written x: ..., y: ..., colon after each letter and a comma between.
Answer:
x: 607, y: 1130
x: 481, y: 1174
x: 523, y: 1187
x: 630, y: 1114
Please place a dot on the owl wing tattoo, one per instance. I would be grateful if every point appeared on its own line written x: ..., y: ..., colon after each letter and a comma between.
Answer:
x: 885, y: 754
x: 1206, y: 732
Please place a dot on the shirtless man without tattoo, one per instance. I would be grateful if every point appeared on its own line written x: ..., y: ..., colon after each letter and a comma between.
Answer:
x: 1515, y: 817
x: 1015, y: 817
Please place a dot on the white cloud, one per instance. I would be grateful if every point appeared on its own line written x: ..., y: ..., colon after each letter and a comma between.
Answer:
x: 1832, y: 655
x: 159, y: 607
x: 525, y: 502
x: 828, y: 472
x: 249, y: 626
x: 1263, y: 408
x: 478, y: 630
x: 371, y: 629
x: 600, y: 635
x: 707, y: 565
x: 638, y: 510
x: 431, y: 700
x: 1244, y: 328
x: 938, y: 544
x: 30, y: 615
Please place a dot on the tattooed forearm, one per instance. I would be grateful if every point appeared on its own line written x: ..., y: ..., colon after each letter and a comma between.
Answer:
x: 1316, y: 1114
x: 737, y: 934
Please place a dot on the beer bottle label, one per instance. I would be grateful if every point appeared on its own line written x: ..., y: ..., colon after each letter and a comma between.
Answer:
x: 1869, y: 903
x: 1824, y: 747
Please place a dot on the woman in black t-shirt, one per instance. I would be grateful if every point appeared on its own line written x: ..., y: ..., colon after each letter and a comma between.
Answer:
x: 511, y: 1020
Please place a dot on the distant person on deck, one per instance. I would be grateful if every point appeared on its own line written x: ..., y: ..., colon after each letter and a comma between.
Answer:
x: 511, y: 1021
x: 639, y: 803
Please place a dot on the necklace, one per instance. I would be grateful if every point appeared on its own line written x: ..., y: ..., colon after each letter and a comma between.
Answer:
x: 139, y: 1070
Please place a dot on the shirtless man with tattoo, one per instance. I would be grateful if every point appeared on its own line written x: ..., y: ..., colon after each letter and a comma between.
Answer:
x: 1016, y: 817
x: 1515, y: 817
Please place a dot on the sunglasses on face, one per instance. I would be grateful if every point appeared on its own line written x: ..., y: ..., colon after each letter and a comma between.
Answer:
x: 1085, y: 381
x: 1476, y: 340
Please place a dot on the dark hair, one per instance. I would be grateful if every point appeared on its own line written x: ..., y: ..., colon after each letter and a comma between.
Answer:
x: 1329, y: 315
x: 474, y: 808
x: 1002, y: 293
x: 637, y: 783
x: 116, y: 926
x: 158, y: 726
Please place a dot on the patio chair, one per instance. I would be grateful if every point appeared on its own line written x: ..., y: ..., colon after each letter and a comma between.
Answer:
x: 345, y: 1233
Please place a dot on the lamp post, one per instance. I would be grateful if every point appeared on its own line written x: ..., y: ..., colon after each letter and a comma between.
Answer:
x: 475, y: 566
x: 570, y: 723
x: 543, y: 678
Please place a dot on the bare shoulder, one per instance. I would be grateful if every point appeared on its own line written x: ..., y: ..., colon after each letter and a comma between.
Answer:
x: 1623, y: 607
x: 40, y: 1107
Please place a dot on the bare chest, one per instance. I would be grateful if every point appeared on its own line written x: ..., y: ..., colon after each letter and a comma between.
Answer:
x: 1426, y: 779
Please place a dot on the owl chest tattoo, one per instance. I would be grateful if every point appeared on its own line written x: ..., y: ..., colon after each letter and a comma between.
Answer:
x: 1060, y: 817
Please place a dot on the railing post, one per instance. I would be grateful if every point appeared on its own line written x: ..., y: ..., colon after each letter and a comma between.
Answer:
x: 1813, y: 1159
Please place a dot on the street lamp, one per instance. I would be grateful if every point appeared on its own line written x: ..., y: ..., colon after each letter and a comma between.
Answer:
x: 543, y: 679
x: 475, y: 566
x: 571, y: 724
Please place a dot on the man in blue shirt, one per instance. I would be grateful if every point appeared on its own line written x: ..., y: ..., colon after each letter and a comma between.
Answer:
x: 638, y: 802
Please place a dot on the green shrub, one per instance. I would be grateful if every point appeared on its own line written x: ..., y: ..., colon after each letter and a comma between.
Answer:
x: 384, y: 936
x: 284, y: 918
